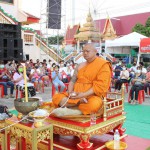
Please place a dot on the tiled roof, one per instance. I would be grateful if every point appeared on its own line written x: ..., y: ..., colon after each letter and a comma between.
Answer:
x: 69, y: 38
x: 123, y: 25
x: 29, y: 15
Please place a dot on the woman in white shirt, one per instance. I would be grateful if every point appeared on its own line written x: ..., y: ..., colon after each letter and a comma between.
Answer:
x: 19, y: 81
x: 124, y: 76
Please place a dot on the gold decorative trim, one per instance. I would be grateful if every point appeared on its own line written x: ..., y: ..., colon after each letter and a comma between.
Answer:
x: 21, y: 132
x: 1, y: 138
x: 113, y: 113
x: 101, y: 128
x: 44, y: 134
x: 31, y: 134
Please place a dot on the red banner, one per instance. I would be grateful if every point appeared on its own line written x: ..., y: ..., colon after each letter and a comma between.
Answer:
x: 145, y: 45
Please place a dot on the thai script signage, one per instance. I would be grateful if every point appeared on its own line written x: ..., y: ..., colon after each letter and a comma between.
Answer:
x: 145, y: 45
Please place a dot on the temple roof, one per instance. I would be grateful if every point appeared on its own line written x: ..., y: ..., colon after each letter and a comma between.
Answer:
x: 108, y: 32
x: 30, y: 19
x: 71, y: 31
x: 88, y: 31
x: 123, y: 24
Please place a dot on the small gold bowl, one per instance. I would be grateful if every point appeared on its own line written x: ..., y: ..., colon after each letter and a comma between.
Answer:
x: 110, y: 145
x: 38, y: 120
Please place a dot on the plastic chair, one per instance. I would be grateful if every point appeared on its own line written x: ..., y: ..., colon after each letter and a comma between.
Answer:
x: 1, y: 91
x: 126, y: 85
x: 21, y: 94
x: 48, y: 82
x: 141, y: 96
x: 66, y: 84
x: 69, y: 78
x: 54, y: 90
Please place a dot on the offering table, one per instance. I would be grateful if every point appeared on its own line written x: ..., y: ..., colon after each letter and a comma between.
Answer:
x: 27, y: 132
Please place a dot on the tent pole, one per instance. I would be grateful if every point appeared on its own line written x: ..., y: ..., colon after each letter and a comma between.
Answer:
x: 138, y: 60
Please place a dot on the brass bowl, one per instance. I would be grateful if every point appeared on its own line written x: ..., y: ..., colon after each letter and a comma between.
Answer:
x: 26, y: 107
x: 110, y: 145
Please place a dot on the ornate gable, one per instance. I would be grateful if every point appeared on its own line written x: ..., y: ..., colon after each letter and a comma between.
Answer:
x: 6, y: 19
x: 108, y: 33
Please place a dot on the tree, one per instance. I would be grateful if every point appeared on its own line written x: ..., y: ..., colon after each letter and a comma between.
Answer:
x: 147, y: 24
x: 145, y: 30
x: 139, y: 28
x: 54, y: 40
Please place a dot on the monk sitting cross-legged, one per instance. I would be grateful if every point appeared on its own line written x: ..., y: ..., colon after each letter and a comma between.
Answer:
x: 89, y: 84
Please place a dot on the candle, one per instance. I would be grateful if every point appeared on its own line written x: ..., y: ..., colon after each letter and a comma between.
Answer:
x: 25, y: 82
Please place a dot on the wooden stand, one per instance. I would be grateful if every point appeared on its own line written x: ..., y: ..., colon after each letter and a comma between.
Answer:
x: 27, y: 132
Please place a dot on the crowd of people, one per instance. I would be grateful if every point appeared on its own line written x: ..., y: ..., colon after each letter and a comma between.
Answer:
x: 137, y: 76
x: 39, y: 74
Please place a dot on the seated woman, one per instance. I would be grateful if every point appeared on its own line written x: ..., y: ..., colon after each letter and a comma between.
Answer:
x: 138, y: 84
x: 56, y: 79
x: 124, y: 75
x: 69, y: 70
x: 19, y: 81
x: 44, y: 73
x: 36, y: 78
x: 147, y: 83
x: 6, y: 81
x: 116, y: 73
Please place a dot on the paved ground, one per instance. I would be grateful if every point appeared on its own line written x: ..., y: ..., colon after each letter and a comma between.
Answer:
x: 46, y: 96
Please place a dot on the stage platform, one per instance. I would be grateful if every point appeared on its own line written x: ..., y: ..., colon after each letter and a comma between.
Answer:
x: 70, y: 142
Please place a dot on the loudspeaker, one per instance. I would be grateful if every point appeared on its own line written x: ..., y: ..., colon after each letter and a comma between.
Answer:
x: 11, y: 45
x: 1, y: 53
x: 54, y: 14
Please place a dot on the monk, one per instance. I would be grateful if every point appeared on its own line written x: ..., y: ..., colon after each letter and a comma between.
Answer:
x: 89, y: 84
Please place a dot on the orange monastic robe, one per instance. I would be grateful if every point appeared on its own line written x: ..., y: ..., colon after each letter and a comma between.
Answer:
x: 96, y: 75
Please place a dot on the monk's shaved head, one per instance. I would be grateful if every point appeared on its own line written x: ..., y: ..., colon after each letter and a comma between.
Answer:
x: 89, y: 46
x: 89, y: 52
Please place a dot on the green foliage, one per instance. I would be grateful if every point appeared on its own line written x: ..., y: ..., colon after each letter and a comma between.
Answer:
x: 145, y: 30
x: 147, y: 24
x: 55, y: 40
x: 139, y: 28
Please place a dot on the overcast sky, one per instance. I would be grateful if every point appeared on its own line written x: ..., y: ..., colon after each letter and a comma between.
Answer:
x: 98, y: 8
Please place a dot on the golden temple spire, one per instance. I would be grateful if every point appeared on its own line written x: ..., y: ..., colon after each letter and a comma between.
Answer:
x: 88, y: 31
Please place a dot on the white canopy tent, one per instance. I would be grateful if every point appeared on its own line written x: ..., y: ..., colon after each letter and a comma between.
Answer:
x: 123, y: 44
x: 132, y: 39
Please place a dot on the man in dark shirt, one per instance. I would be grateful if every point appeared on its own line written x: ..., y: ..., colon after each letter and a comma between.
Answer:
x: 117, y: 71
x: 5, y: 80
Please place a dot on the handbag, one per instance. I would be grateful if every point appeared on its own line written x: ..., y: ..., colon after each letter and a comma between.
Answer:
x: 4, y: 109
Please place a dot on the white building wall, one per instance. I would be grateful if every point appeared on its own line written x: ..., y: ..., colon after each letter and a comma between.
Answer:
x: 9, y: 8
x: 35, y: 53
x: 14, y: 10
x: 118, y: 50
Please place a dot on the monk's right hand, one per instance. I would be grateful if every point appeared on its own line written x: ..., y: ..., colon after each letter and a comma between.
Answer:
x: 78, y: 96
x: 72, y: 94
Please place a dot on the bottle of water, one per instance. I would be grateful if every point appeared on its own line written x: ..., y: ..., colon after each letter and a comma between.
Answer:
x: 116, y: 140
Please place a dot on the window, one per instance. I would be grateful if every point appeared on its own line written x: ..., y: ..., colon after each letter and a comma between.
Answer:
x: 7, y: 1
